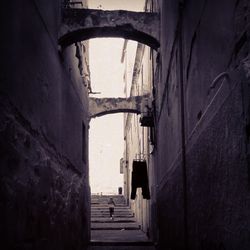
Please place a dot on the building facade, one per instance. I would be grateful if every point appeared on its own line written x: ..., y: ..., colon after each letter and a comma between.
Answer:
x: 137, y: 139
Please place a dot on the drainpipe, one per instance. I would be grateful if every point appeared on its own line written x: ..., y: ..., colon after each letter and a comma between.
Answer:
x: 183, y: 132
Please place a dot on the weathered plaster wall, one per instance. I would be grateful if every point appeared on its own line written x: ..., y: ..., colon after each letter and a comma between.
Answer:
x: 43, y: 179
x: 137, y: 143
x: 215, y: 39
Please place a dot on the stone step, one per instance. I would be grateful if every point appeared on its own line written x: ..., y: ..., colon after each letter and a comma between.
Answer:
x: 105, y: 213
x: 106, y: 201
x: 107, y: 208
x: 122, y: 237
x: 115, y: 226
x: 115, y: 215
x: 118, y: 196
x: 115, y: 212
x: 116, y: 220
x: 118, y: 199
x: 132, y: 247
x: 106, y: 204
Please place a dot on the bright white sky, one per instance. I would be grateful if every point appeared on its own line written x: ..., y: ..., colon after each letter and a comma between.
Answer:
x: 106, y: 142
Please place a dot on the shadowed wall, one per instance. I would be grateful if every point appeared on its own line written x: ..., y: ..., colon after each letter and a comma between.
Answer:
x: 203, y: 194
x: 43, y: 133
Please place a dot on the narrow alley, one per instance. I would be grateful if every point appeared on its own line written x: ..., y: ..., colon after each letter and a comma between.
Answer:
x: 173, y: 169
x: 121, y: 232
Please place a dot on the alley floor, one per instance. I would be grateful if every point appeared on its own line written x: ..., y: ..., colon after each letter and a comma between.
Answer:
x: 121, y: 232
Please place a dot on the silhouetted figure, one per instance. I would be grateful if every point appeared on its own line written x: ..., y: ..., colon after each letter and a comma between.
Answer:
x: 111, y: 205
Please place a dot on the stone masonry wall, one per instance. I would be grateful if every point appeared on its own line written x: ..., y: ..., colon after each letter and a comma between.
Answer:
x: 44, y: 188
x: 215, y: 46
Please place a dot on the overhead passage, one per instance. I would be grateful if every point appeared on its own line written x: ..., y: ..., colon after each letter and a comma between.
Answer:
x: 83, y: 24
x: 103, y: 106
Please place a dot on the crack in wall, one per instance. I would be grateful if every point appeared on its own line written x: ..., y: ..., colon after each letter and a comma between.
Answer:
x: 194, y: 40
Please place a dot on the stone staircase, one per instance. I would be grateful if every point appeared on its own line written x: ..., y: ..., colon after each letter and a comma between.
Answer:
x: 123, y: 232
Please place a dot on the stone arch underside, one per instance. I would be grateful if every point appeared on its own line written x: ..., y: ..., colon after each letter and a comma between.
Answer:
x: 104, y: 106
x: 83, y: 24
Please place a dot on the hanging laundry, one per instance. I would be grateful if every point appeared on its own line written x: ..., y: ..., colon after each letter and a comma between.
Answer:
x: 140, y: 179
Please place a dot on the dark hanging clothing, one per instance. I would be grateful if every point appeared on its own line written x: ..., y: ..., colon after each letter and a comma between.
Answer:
x: 140, y: 179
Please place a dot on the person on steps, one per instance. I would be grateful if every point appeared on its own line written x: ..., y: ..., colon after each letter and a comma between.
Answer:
x: 111, y: 205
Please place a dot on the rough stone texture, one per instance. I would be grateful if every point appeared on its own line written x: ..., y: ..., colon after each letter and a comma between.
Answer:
x: 216, y: 89
x: 222, y: 219
x: 104, y: 106
x: 44, y: 189
x: 82, y: 24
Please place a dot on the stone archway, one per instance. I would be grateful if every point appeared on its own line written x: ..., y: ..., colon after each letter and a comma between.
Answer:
x: 103, y: 106
x: 83, y: 24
